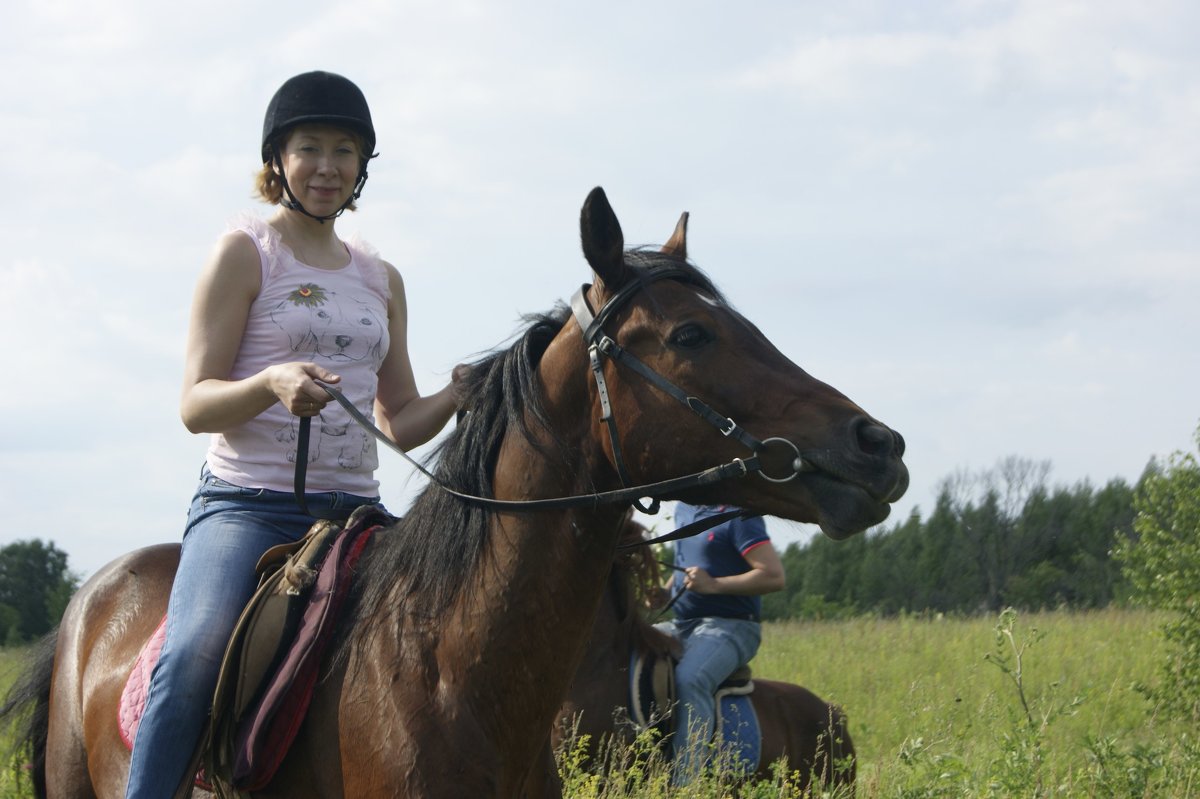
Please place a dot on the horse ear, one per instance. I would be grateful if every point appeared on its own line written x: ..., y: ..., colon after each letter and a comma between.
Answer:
x: 677, y: 244
x: 603, y: 242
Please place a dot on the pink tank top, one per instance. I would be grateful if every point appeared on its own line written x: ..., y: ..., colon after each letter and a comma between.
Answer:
x: 335, y: 318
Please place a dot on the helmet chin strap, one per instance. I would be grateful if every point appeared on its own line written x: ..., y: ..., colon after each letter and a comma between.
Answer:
x: 292, y: 204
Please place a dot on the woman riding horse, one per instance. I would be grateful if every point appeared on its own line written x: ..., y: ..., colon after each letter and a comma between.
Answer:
x: 801, y: 730
x: 283, y: 303
x: 470, y: 617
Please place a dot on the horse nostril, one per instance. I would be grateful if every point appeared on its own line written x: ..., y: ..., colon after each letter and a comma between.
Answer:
x: 876, y: 440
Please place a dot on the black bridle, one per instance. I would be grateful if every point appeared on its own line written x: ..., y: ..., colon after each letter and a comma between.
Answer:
x: 601, y: 346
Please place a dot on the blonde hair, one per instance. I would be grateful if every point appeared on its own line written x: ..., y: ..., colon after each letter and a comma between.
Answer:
x: 268, y: 184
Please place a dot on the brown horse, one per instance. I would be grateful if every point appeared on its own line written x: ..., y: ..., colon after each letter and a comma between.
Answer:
x: 797, y: 725
x: 468, y: 622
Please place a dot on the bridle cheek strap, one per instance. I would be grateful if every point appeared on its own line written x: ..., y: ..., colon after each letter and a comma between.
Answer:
x: 600, y: 346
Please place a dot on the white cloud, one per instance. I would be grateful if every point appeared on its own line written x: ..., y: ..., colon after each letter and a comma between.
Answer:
x: 841, y: 69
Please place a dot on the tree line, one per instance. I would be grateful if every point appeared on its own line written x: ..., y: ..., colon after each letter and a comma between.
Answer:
x: 1002, y: 537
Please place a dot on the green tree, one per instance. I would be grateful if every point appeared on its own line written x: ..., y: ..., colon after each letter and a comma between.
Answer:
x: 946, y: 571
x: 1108, y: 518
x: 999, y: 537
x: 1162, y: 563
x: 35, y: 586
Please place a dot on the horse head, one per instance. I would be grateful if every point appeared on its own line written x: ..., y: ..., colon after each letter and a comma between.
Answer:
x: 823, y: 459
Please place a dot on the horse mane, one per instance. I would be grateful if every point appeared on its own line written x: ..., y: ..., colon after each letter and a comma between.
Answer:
x: 418, y: 566
x: 423, y: 560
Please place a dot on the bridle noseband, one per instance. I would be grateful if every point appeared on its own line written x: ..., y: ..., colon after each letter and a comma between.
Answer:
x: 601, y: 346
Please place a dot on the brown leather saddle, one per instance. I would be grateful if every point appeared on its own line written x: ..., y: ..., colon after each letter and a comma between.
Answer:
x: 272, y: 662
x: 652, y: 689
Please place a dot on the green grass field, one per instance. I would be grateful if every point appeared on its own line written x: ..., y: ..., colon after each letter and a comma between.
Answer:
x: 932, y: 713
x: 904, y: 678
x: 935, y: 709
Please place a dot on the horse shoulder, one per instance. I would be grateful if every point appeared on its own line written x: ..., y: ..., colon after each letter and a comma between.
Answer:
x: 313, y: 765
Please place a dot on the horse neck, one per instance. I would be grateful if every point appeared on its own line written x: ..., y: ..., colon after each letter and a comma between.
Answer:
x: 489, y: 671
x: 557, y: 561
x: 520, y: 631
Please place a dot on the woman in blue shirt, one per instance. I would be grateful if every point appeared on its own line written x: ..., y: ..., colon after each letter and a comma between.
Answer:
x: 720, y: 577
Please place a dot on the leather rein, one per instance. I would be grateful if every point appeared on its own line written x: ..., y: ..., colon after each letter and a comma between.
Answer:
x: 600, y: 346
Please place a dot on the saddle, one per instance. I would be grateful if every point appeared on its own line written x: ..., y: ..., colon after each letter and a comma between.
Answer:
x: 271, y: 664
x: 273, y: 659
x: 652, y: 690
x: 652, y: 697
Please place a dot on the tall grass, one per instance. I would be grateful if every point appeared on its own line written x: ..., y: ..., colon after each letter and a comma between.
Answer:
x: 13, y: 784
x: 1041, y: 705
x: 932, y: 678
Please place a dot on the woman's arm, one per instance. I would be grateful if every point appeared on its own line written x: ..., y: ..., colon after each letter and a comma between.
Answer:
x: 764, y: 577
x: 408, y: 418
x: 211, y: 402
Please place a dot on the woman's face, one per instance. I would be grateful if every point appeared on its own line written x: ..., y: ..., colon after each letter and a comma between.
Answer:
x: 321, y: 165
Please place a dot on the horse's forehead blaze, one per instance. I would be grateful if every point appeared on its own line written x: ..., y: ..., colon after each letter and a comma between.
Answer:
x: 668, y: 300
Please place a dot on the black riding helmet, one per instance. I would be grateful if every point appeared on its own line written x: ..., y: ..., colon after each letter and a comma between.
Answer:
x: 317, y: 97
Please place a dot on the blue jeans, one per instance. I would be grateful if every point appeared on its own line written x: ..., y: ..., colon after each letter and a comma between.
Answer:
x: 713, y: 648
x: 228, y: 529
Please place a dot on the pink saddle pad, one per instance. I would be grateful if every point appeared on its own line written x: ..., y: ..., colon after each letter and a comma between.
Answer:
x: 133, y: 698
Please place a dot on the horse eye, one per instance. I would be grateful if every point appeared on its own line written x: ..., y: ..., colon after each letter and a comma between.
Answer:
x: 689, y: 336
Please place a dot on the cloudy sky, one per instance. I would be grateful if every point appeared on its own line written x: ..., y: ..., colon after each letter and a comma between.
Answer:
x: 977, y: 219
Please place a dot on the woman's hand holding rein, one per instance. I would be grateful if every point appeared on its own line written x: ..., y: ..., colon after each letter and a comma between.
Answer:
x: 294, y: 384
